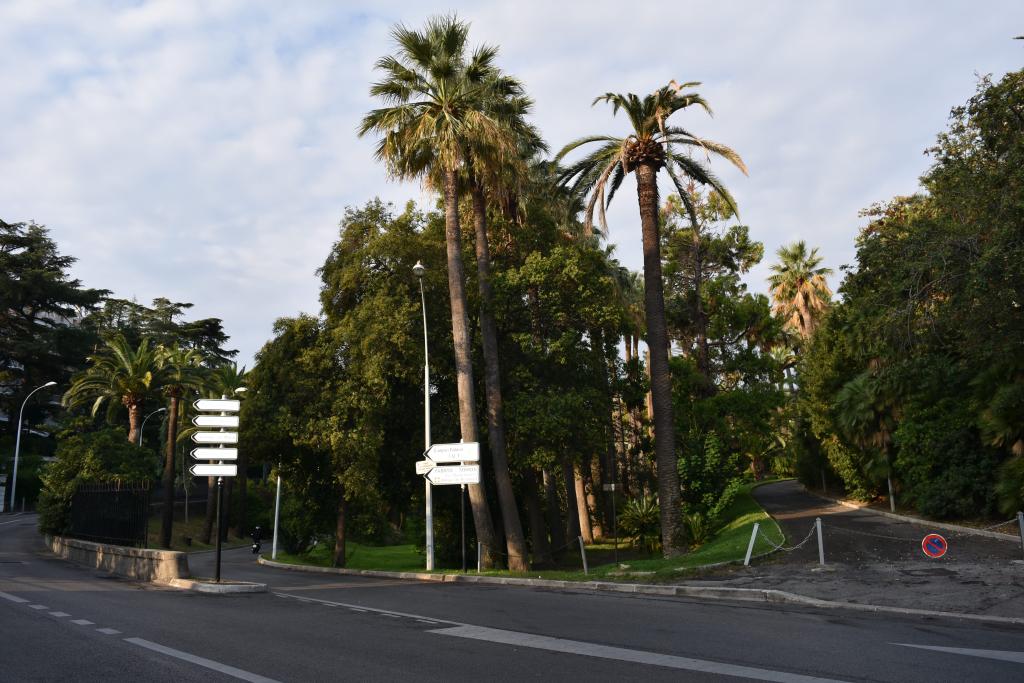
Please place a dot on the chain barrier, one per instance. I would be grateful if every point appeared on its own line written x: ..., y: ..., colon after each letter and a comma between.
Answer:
x: 996, y: 526
x: 783, y: 547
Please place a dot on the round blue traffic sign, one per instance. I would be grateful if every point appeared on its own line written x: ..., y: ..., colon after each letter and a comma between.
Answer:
x: 934, y: 545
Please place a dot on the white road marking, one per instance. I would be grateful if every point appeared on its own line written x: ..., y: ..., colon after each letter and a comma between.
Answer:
x: 13, y: 521
x: 39, y: 607
x: 82, y: 622
x: 515, y: 638
x: 59, y: 614
x: 12, y: 598
x: 1002, y: 655
x: 201, y: 661
x: 108, y: 631
x: 427, y: 621
x: 576, y: 647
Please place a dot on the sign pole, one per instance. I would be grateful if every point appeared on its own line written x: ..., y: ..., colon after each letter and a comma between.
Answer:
x: 220, y: 497
x: 462, y: 505
x: 277, y: 517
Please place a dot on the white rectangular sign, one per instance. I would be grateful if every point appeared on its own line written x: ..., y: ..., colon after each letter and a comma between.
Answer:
x: 454, y: 474
x: 218, y: 405
x: 454, y: 452
x: 215, y: 421
x: 207, y: 470
x: 424, y: 466
x: 215, y: 437
x: 215, y: 453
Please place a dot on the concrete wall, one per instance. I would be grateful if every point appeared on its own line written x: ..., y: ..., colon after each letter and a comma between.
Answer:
x: 134, y: 563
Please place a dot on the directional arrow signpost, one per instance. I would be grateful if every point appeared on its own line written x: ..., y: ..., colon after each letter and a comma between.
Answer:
x: 441, y: 475
x: 454, y: 474
x: 454, y: 452
x: 226, y: 419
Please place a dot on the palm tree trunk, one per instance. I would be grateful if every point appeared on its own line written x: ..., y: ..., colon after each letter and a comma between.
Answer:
x: 572, y: 517
x: 338, y: 559
x: 134, y: 415
x: 672, y: 541
x: 515, y: 542
x: 538, y: 529
x: 167, y: 522
x: 463, y: 363
x: 580, y: 484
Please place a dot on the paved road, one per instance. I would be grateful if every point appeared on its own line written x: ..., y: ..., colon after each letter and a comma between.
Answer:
x: 61, y: 622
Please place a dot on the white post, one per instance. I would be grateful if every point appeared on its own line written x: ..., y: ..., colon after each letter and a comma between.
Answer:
x: 1020, y: 525
x: 479, y: 556
x: 821, y: 544
x: 750, y: 546
x: 17, y: 447
x: 583, y: 554
x: 419, y: 270
x: 277, y: 518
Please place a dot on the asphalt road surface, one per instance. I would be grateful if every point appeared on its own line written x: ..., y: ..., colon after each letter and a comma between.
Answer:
x: 63, y: 622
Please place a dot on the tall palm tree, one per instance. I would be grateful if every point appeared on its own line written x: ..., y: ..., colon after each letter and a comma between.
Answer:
x: 182, y: 373
x: 800, y: 292
x: 118, y: 373
x: 491, y: 172
x: 433, y: 113
x: 647, y: 149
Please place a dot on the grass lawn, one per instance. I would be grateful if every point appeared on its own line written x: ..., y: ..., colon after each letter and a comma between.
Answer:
x: 728, y: 544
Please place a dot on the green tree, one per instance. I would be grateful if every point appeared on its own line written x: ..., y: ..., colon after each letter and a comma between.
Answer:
x: 119, y: 375
x: 434, y: 113
x: 646, y: 150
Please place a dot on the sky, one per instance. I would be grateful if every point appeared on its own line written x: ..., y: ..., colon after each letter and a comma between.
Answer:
x: 205, y: 150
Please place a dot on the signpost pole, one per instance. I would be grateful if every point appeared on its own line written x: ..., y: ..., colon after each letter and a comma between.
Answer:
x: 462, y: 505
x: 277, y: 518
x: 418, y: 270
x: 220, y: 491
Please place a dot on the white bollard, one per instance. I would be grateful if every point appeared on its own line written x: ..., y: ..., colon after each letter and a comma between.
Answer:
x: 821, y: 544
x: 1020, y: 525
x: 750, y: 546
x: 583, y: 554
x: 277, y: 517
x: 479, y: 556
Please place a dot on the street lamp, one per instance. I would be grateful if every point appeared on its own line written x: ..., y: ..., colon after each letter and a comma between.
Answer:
x: 419, y: 271
x: 143, y: 427
x: 17, y: 442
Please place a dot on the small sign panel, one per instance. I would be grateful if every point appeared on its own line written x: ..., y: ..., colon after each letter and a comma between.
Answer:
x: 218, y: 405
x: 215, y: 453
x: 609, y: 487
x: 227, y: 421
x: 454, y: 452
x: 454, y: 474
x: 206, y: 470
x: 424, y: 466
x: 934, y: 545
x: 215, y: 437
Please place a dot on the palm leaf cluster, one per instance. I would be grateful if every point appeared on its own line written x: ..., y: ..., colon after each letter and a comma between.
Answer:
x: 799, y: 288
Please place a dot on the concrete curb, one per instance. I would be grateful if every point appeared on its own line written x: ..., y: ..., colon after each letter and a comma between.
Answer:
x: 855, y: 505
x: 757, y: 595
x: 218, y: 588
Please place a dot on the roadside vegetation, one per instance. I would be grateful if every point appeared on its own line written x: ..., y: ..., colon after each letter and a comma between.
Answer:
x: 661, y: 394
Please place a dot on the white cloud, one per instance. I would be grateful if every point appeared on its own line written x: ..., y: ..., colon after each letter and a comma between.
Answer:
x: 205, y: 151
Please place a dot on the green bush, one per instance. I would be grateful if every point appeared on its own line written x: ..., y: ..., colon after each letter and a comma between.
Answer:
x: 100, y: 456
x: 641, y: 520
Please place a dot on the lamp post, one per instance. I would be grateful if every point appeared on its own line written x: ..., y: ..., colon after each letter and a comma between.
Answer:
x: 143, y: 427
x: 17, y: 443
x: 419, y: 271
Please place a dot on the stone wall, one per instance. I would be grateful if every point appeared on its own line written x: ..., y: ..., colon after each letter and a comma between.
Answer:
x: 135, y: 563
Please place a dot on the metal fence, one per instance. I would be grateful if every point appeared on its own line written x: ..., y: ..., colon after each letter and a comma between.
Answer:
x: 116, y: 513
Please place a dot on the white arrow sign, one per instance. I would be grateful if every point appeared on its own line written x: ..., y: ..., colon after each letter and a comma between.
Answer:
x: 215, y: 437
x: 424, y: 466
x: 207, y: 470
x: 454, y: 474
x: 218, y: 405
x: 215, y: 421
x: 215, y: 453
x: 454, y: 452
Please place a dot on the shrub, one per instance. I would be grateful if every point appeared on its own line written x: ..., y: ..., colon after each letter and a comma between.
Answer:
x: 641, y: 520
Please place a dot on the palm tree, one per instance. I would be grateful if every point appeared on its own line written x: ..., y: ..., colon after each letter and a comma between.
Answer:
x: 434, y: 113
x: 867, y: 415
x: 800, y: 293
x: 647, y: 149
x: 121, y: 374
x: 182, y: 373
x: 491, y: 172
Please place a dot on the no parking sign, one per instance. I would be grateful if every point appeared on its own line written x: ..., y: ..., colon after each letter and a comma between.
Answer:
x: 934, y: 545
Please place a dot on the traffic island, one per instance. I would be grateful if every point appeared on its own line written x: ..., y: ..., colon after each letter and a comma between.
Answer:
x: 209, y: 586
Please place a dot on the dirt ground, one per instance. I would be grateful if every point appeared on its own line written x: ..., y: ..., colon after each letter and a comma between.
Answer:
x: 872, y: 559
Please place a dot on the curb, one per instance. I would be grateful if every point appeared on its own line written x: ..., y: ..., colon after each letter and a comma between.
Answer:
x: 854, y: 505
x: 757, y: 595
x: 217, y: 588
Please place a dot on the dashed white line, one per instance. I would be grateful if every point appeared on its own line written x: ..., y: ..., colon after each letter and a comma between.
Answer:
x: 60, y: 615
x: 39, y: 607
x: 108, y: 631
x: 82, y: 622
x: 12, y: 598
